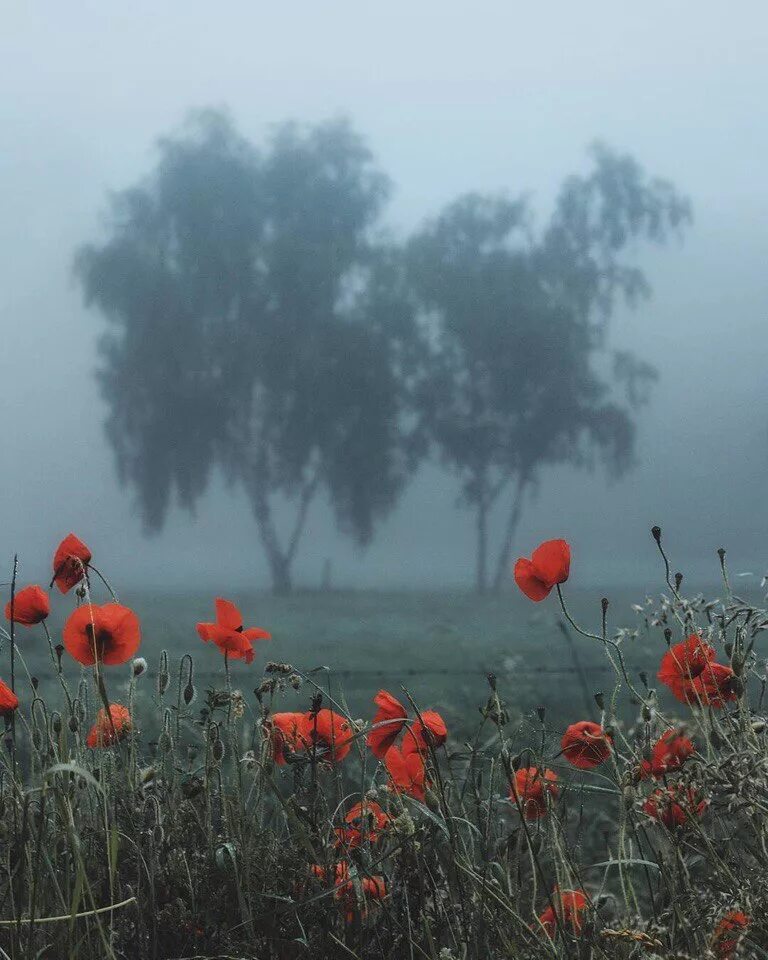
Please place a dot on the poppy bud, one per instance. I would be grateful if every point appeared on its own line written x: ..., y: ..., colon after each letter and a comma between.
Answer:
x: 668, y: 635
x: 56, y: 724
x: 59, y: 648
x: 600, y: 701
x: 656, y: 534
x: 604, y: 605
x: 73, y: 723
x: 721, y: 554
x: 189, y: 693
x: 217, y: 750
x: 678, y: 581
x: 139, y: 666
x: 647, y: 713
x: 163, y: 676
x: 317, y: 702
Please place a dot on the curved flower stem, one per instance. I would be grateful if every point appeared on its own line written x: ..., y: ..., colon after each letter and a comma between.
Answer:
x: 607, y: 643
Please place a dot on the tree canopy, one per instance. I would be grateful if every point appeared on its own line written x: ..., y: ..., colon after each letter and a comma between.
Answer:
x: 513, y: 323
x: 256, y: 323
x: 259, y: 322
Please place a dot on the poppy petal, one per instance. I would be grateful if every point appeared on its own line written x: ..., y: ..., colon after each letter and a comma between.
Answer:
x: 528, y: 582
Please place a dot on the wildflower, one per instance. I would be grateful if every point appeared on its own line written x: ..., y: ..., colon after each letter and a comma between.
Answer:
x: 108, y: 634
x: 8, y: 700
x: 728, y: 933
x: 392, y: 716
x: 689, y: 670
x: 668, y: 754
x: 109, y: 729
x: 530, y: 788
x: 70, y: 563
x: 365, y: 821
x: 407, y: 772
x: 429, y: 730
x: 674, y: 806
x: 228, y: 633
x: 30, y: 606
x: 549, y: 565
x: 714, y: 686
x: 330, y: 731
x: 586, y: 744
x: 570, y: 906
x: 286, y: 733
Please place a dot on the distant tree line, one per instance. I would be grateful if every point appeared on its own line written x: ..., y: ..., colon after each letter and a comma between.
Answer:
x: 261, y: 321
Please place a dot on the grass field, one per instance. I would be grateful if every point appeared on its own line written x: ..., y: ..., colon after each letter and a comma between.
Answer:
x: 440, y: 646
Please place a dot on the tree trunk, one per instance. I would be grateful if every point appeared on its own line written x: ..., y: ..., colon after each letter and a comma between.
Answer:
x: 515, y: 512
x: 481, y: 575
x: 280, y: 569
x: 280, y: 560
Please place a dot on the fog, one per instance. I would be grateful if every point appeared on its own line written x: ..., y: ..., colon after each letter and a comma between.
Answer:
x: 502, y: 97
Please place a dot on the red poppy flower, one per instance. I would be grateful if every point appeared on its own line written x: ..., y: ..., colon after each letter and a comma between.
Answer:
x: 586, y: 744
x: 109, y: 633
x: 106, y: 732
x: 373, y: 888
x: 530, y: 788
x: 674, y: 806
x: 286, y: 732
x: 70, y: 563
x: 365, y: 821
x: 30, y: 606
x: 8, y: 700
x: 714, y: 686
x: 228, y: 633
x: 429, y: 730
x: 570, y: 906
x: 392, y: 716
x: 728, y: 933
x: 689, y: 670
x: 407, y: 772
x: 669, y: 753
x: 329, y: 731
x: 550, y: 564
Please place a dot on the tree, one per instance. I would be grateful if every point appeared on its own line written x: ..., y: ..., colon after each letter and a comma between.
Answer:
x: 256, y: 325
x: 513, y: 324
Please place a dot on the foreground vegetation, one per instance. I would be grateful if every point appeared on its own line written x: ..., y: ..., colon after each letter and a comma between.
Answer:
x: 238, y: 828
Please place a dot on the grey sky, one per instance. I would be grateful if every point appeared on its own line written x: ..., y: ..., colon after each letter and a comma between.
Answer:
x: 501, y: 95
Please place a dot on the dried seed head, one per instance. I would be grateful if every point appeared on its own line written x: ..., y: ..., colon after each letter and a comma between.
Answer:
x: 139, y: 666
x: 656, y: 534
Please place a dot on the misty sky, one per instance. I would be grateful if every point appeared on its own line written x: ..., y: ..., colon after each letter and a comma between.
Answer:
x: 450, y: 97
